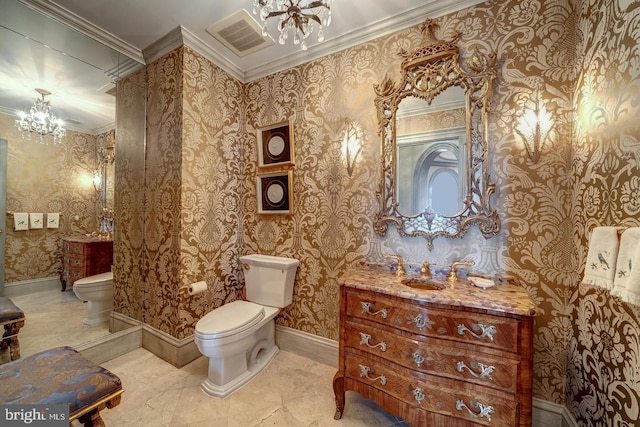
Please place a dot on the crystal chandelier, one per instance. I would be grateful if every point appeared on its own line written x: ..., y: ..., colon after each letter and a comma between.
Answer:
x: 295, y: 17
x: 40, y: 120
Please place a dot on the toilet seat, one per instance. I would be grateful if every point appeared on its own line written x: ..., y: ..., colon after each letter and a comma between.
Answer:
x: 97, y: 280
x: 230, y: 319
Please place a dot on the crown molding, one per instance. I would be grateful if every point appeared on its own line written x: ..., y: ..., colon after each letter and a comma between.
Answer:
x: 69, y: 18
x: 205, y: 50
x: 180, y: 35
x: 165, y: 44
x: 432, y: 9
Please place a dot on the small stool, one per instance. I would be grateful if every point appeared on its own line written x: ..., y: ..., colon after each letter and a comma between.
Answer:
x: 12, y: 318
x: 61, y: 376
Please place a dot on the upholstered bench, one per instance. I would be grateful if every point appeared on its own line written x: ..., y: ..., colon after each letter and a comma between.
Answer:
x: 61, y: 376
x: 12, y: 318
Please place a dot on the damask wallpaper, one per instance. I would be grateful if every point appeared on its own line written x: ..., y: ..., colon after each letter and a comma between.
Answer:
x: 47, y: 178
x: 603, y: 384
x: 201, y: 168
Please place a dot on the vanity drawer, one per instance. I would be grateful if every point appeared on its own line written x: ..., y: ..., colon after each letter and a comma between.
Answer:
x: 435, y: 356
x: 73, y: 248
x: 74, y: 274
x: 448, y: 397
x: 481, y: 329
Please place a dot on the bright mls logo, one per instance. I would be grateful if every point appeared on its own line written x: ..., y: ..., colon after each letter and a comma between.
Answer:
x: 34, y: 415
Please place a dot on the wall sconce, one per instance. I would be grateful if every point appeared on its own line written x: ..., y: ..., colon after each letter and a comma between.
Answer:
x: 533, y: 125
x: 97, y: 181
x: 352, y: 144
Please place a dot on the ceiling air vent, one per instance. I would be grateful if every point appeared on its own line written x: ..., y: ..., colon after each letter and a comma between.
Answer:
x: 240, y: 33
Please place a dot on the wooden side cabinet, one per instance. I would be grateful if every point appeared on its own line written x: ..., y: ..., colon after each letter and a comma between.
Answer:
x: 84, y: 257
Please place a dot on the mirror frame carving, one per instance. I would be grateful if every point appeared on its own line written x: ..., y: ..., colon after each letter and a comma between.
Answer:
x: 427, y: 72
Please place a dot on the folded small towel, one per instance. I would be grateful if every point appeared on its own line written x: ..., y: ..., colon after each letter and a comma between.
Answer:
x: 601, y: 257
x: 20, y: 221
x: 627, y: 281
x: 53, y: 220
x: 36, y: 220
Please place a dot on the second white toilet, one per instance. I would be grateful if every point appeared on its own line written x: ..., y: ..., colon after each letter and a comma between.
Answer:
x: 97, y: 290
x: 239, y: 337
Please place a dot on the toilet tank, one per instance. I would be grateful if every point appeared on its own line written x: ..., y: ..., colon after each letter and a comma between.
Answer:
x: 269, y: 279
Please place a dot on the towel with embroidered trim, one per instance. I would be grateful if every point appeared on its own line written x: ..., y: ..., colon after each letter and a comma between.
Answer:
x: 627, y: 280
x: 602, y: 255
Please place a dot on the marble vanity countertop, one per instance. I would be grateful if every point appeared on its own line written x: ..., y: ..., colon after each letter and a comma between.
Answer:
x: 86, y: 239
x: 506, y: 296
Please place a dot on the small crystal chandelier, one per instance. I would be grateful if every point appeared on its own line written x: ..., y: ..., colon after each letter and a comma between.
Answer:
x: 295, y: 17
x: 40, y: 120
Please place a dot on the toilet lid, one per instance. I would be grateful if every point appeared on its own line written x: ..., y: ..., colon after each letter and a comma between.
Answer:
x: 229, y: 319
x: 98, y: 278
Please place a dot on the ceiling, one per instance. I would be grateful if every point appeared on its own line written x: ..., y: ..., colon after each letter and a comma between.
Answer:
x: 76, y: 49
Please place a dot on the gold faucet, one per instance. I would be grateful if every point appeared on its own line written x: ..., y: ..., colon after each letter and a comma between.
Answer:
x: 452, y: 277
x: 425, y: 271
x: 400, y: 270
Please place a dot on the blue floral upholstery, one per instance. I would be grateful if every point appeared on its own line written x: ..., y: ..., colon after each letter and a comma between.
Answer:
x: 12, y: 319
x: 57, y: 376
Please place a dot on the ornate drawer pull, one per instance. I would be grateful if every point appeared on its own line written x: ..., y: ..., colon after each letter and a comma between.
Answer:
x: 485, y: 410
x: 364, y: 339
x: 418, y: 358
x: 420, y: 321
x: 418, y: 394
x: 485, y: 371
x: 366, y: 308
x: 486, y: 331
x: 364, y: 372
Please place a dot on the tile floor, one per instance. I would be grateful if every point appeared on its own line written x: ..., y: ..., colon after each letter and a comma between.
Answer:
x: 291, y: 391
x: 54, y: 318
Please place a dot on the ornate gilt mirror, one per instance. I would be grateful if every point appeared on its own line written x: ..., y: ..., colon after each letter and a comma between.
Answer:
x: 433, y: 127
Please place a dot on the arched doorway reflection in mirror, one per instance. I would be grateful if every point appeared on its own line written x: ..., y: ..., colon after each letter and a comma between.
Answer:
x: 431, y: 172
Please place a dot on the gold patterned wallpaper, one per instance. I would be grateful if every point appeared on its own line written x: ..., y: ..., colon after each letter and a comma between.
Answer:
x: 603, y: 387
x: 201, y: 167
x: 129, y: 196
x: 47, y: 178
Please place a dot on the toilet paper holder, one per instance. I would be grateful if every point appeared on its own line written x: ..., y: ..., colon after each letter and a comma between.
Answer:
x: 194, y: 288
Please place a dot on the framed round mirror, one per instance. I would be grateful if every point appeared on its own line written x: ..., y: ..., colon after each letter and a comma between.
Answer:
x: 433, y: 127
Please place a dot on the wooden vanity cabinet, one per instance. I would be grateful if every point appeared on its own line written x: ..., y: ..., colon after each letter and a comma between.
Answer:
x: 84, y: 257
x: 435, y: 364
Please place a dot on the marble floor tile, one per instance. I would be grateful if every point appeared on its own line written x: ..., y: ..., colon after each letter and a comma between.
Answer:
x: 52, y: 319
x: 291, y: 391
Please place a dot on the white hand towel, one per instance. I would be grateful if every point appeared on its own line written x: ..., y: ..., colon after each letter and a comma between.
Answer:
x: 601, y: 257
x: 53, y: 220
x: 627, y: 281
x: 20, y: 221
x: 36, y: 220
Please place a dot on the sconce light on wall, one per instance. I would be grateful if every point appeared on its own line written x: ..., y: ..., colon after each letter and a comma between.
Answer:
x: 352, y: 144
x: 97, y: 181
x: 533, y: 125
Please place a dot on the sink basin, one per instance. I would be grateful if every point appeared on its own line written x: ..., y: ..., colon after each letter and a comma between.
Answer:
x: 424, y: 284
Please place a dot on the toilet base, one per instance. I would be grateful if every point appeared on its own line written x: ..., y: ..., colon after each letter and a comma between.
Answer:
x: 98, y: 312
x: 225, y: 390
x: 235, y: 365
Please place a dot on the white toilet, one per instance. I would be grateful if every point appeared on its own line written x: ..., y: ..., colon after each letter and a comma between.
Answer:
x: 239, y: 337
x: 98, y: 292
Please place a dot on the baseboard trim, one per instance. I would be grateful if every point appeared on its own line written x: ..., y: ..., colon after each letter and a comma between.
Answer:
x: 31, y: 286
x: 549, y: 414
x: 113, y: 345
x: 314, y: 347
x: 178, y: 352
